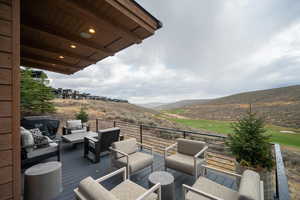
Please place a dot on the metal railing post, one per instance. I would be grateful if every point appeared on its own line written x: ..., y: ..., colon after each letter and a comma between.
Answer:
x: 97, y: 125
x: 184, y: 134
x: 114, y: 123
x: 141, y: 135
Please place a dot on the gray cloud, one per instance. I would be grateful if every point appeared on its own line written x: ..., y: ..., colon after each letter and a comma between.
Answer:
x: 205, y: 49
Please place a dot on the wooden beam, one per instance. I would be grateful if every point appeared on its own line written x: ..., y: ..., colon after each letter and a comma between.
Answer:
x: 128, y: 12
x: 47, y: 60
x: 56, y: 51
x: 28, y: 63
x: 43, y: 28
x: 80, y: 9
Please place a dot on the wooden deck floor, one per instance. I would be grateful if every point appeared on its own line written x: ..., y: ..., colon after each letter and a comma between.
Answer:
x: 75, y: 168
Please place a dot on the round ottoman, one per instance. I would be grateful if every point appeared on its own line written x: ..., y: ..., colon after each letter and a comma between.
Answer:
x: 43, y: 181
x: 167, y: 184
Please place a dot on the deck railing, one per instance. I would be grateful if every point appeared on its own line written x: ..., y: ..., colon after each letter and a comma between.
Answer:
x: 159, y: 138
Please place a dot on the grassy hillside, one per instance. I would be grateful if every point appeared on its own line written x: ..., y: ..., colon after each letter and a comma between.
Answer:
x: 280, y: 106
x: 180, y: 104
x: 67, y: 108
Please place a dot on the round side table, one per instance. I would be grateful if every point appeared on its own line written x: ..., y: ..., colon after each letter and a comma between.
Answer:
x: 43, y: 181
x: 167, y: 184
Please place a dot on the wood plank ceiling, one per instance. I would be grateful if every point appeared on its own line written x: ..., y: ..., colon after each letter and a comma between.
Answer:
x: 66, y: 36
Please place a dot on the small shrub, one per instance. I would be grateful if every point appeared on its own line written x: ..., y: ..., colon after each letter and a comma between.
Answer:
x: 82, y: 115
x: 250, y: 144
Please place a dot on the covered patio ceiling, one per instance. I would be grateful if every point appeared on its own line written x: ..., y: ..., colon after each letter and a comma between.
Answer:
x: 66, y: 36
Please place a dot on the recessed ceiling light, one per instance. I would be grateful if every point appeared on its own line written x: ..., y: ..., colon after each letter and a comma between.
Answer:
x: 85, y: 35
x: 61, y: 57
x: 92, y: 31
x: 73, y: 46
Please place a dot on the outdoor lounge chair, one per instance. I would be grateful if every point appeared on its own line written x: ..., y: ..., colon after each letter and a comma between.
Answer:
x: 96, y: 145
x: 74, y: 126
x: 189, y: 156
x: 250, y: 188
x: 125, y: 153
x: 90, y: 189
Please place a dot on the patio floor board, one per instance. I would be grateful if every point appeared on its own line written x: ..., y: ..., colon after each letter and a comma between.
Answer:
x: 75, y: 168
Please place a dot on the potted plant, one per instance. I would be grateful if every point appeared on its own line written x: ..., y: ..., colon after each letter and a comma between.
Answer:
x: 252, y: 149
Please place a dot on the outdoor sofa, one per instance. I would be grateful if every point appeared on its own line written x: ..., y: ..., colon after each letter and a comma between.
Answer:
x: 125, y: 154
x: 31, y: 154
x: 188, y: 158
x: 250, y: 187
x: 90, y: 189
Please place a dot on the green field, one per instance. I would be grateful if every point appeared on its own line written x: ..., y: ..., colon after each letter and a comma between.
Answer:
x: 224, y: 127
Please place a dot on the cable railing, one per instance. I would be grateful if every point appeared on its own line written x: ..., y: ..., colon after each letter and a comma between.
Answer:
x: 160, y: 138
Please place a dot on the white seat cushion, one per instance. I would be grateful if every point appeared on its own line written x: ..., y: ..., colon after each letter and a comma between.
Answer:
x: 74, y: 124
x: 184, y: 163
x: 212, y: 188
x: 137, y: 161
x: 27, y: 139
x: 128, y: 190
x: 44, y: 150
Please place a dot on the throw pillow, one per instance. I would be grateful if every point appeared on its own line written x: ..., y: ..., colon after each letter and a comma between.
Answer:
x: 27, y: 140
x: 39, y: 139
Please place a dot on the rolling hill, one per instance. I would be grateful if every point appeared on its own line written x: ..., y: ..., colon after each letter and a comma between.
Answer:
x: 174, y: 105
x: 280, y: 106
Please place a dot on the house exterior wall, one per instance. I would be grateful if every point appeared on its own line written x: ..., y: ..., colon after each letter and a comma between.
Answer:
x: 9, y: 100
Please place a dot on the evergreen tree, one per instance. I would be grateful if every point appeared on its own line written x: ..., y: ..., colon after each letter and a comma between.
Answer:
x: 82, y: 115
x: 249, y: 143
x: 36, y: 96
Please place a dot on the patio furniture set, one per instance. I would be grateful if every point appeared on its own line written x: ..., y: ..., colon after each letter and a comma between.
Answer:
x: 128, y: 156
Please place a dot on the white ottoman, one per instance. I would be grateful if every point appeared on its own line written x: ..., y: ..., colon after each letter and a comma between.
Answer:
x: 43, y: 181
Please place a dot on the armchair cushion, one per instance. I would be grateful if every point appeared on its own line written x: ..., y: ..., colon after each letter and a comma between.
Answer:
x: 189, y: 147
x: 92, y: 190
x: 184, y: 163
x: 137, y: 161
x: 74, y: 124
x: 250, y: 185
x: 129, y: 190
x: 212, y: 188
x: 127, y: 146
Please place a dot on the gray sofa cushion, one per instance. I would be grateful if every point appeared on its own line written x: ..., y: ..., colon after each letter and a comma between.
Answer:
x: 129, y: 190
x: 27, y: 139
x: 92, y: 190
x: 43, y: 150
x: 212, y: 188
x: 250, y: 185
x: 128, y: 146
x: 137, y: 161
x: 184, y: 163
x: 189, y: 147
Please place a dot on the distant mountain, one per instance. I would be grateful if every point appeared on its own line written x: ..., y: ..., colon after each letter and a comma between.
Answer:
x: 279, y: 106
x: 151, y: 105
x: 181, y: 104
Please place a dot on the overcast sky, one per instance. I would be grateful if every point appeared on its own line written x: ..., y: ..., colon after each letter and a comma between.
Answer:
x: 206, y: 49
